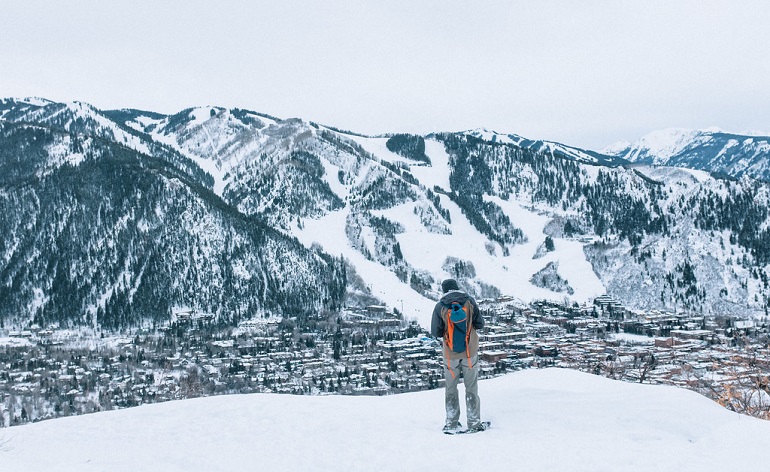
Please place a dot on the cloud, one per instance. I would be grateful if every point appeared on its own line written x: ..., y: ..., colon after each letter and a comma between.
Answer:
x: 584, y: 73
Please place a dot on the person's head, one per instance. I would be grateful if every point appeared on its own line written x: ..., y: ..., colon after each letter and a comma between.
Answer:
x: 449, y: 284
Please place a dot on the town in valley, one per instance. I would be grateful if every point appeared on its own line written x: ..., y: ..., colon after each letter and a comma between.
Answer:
x: 46, y: 372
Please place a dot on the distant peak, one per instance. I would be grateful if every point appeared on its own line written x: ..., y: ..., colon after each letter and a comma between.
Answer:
x: 36, y: 101
x: 616, y: 148
x: 492, y: 135
x: 481, y: 131
x: 754, y: 133
x: 204, y: 113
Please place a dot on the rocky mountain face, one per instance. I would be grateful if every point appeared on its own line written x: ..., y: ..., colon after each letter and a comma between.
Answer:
x: 730, y: 154
x: 116, y: 218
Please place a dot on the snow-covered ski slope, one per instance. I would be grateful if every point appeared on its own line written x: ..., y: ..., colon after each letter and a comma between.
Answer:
x: 544, y: 420
x: 427, y: 250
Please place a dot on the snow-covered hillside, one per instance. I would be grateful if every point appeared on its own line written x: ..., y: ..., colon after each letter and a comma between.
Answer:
x: 544, y: 420
x: 503, y: 214
x: 427, y: 250
x: 239, y: 148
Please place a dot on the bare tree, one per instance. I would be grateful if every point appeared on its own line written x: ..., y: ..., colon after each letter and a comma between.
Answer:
x: 743, y: 387
x: 747, y: 390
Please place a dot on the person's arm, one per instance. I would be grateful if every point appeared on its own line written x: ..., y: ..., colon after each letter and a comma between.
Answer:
x: 437, y: 324
x: 478, y: 320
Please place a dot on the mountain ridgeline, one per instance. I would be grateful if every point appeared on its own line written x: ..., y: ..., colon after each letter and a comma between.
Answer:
x: 728, y: 154
x: 116, y: 239
x: 114, y: 219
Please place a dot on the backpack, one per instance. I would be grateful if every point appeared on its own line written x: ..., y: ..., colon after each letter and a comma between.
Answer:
x: 458, y: 326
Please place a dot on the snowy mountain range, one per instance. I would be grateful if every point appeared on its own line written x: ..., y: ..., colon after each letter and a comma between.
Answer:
x: 711, y: 150
x: 117, y: 218
x: 549, y: 147
x: 547, y: 420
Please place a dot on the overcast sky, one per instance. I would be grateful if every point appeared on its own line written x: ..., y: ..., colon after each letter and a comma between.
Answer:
x: 585, y: 73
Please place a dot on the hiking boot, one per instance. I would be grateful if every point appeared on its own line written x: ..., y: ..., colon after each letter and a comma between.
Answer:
x: 478, y: 427
x: 448, y: 428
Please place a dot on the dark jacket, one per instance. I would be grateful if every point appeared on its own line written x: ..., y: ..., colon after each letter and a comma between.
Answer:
x: 438, y: 323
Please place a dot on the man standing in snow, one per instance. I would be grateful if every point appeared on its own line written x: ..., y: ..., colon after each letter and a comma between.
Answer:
x: 456, y: 318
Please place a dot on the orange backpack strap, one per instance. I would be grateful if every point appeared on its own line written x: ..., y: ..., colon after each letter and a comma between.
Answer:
x: 468, y: 308
x: 448, y: 333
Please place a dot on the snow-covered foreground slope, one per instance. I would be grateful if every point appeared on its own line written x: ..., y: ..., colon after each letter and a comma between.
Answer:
x: 544, y: 420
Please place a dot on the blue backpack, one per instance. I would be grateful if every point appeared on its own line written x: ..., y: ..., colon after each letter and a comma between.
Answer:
x: 458, y: 331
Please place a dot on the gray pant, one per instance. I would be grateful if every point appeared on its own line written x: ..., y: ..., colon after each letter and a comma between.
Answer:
x: 452, y: 398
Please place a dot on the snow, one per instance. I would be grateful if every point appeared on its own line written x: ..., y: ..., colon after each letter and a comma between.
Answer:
x: 208, y: 165
x: 754, y: 132
x: 36, y: 101
x: 540, y: 145
x: 427, y: 251
x: 660, y: 144
x: 377, y: 147
x: 60, y: 152
x: 616, y: 149
x: 678, y: 179
x: 573, y: 265
x: 545, y: 420
x: 39, y: 299
x: 632, y: 338
x: 200, y: 115
x: 15, y: 342
x: 144, y: 122
x: 218, y: 143
x: 438, y: 173
x: 329, y: 233
x: 731, y: 143
x: 668, y: 142
x: 511, y: 274
x: 700, y: 175
x: 494, y: 136
x: 86, y: 111
x: 331, y: 173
